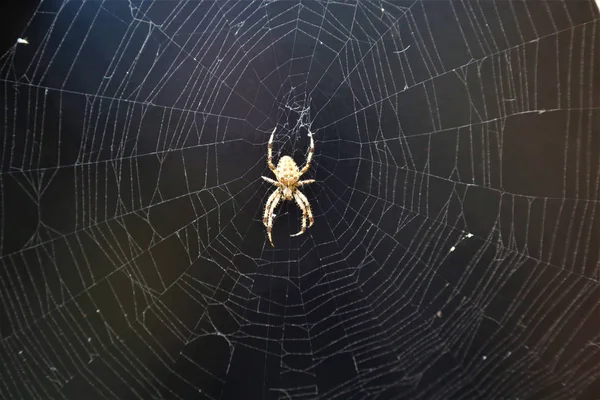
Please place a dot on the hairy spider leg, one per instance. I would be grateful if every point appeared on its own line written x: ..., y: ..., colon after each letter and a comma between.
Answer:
x: 270, y: 211
x: 305, y: 182
x: 311, y: 220
x: 268, y: 205
x: 270, y: 151
x: 274, y: 182
x: 304, y: 205
x: 310, y: 154
x: 303, y: 208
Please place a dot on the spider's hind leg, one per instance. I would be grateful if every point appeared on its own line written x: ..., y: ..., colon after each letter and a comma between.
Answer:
x: 270, y: 151
x: 310, y: 154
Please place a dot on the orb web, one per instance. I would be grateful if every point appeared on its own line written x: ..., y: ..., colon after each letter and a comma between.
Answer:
x: 454, y: 252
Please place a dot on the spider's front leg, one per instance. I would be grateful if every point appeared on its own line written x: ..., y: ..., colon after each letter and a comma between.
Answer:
x: 269, y: 210
x: 305, y: 207
x: 273, y: 198
x: 311, y: 219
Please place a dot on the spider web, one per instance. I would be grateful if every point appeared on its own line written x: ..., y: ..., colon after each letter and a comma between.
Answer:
x: 454, y: 253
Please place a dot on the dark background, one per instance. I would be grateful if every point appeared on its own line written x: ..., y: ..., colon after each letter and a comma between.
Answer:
x: 454, y: 253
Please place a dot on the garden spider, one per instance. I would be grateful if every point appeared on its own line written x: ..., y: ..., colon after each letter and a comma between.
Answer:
x: 288, y: 175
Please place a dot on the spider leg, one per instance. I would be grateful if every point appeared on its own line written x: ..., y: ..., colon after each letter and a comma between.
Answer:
x: 269, y: 213
x: 270, y: 151
x: 305, y: 182
x: 274, y: 182
x: 268, y: 206
x: 310, y: 154
x: 276, y: 194
x: 308, y: 209
x: 302, y: 206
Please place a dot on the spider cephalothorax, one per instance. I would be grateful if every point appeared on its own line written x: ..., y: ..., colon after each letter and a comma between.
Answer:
x: 288, y: 175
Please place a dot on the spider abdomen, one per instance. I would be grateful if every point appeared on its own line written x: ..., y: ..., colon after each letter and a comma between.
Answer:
x: 287, y: 171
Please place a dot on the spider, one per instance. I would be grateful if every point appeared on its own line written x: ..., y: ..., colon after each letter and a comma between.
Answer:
x: 288, y: 175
